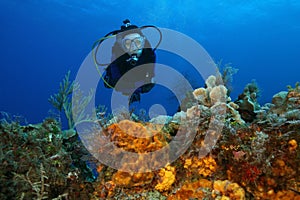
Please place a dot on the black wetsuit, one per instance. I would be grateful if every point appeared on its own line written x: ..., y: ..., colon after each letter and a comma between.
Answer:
x: 141, y: 75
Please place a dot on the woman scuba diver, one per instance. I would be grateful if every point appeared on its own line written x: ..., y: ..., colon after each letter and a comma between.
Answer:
x: 131, y: 49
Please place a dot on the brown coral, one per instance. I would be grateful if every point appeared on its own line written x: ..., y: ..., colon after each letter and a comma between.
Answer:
x: 280, y: 195
x: 167, y: 178
x: 196, y: 190
x: 139, y: 139
x: 145, y: 146
x: 203, y: 166
x: 204, y: 188
x: 135, y: 137
x: 228, y: 190
x: 292, y: 145
x: 282, y: 169
x: 127, y: 179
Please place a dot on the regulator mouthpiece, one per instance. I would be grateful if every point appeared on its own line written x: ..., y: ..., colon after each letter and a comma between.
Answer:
x: 133, y: 59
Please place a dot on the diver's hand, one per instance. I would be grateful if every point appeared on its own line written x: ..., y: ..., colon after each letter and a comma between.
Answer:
x: 149, y: 79
x: 153, y: 80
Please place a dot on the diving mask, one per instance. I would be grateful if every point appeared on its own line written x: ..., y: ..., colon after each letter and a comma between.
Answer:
x: 133, y: 43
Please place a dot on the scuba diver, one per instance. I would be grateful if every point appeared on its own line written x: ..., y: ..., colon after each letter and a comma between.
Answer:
x: 130, y: 50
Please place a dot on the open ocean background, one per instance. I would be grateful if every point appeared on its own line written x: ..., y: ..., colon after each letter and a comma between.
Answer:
x: 41, y: 40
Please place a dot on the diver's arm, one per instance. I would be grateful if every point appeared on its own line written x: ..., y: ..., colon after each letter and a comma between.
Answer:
x: 112, y: 74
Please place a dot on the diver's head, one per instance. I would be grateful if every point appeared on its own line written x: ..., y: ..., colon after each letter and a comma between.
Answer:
x: 133, y: 43
x: 131, y: 39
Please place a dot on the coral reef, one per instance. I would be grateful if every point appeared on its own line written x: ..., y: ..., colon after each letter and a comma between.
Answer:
x: 252, y: 158
x: 38, y: 163
x: 284, y: 109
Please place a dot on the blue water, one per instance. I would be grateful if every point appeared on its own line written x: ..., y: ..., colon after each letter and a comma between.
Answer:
x: 42, y: 39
